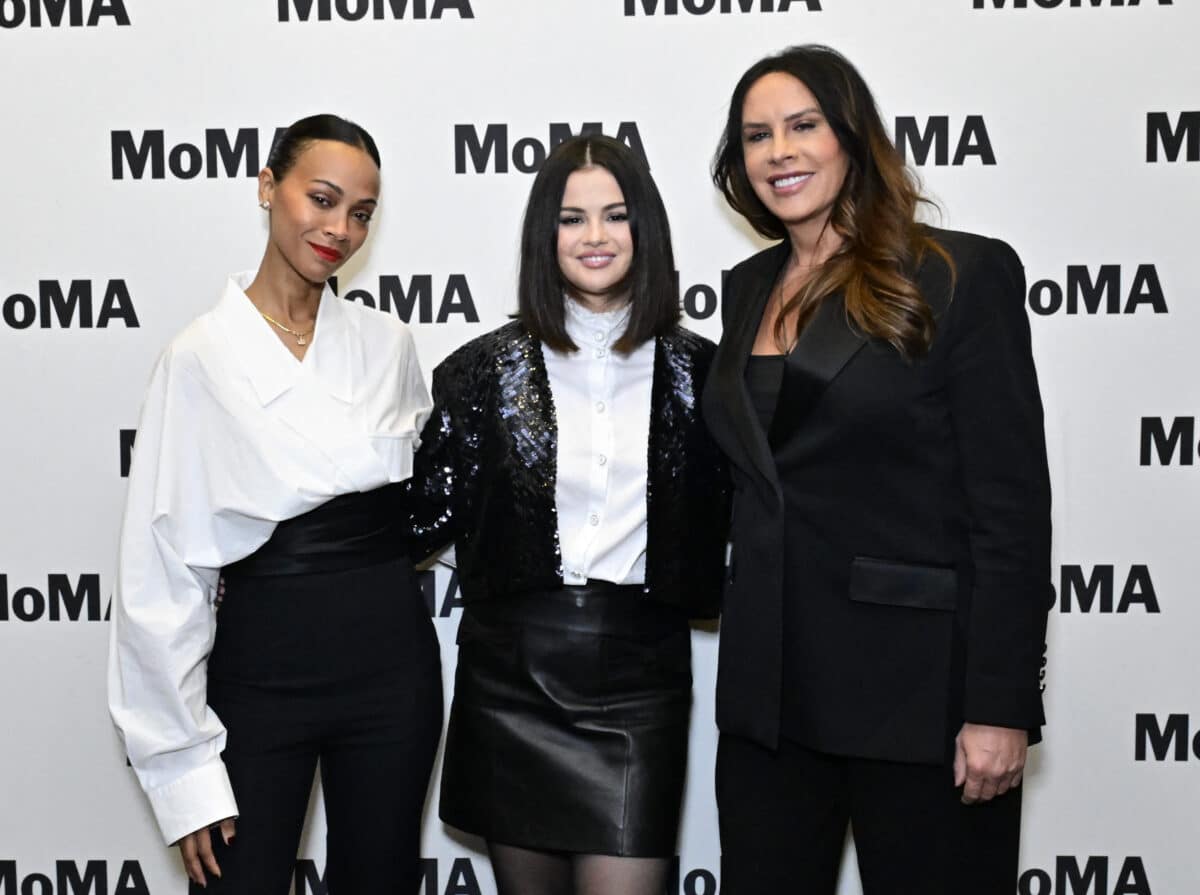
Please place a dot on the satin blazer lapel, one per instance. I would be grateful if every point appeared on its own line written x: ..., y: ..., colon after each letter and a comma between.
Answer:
x: 824, y: 348
x: 747, y: 445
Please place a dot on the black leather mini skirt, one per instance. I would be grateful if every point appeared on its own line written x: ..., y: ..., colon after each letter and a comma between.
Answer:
x: 568, y: 730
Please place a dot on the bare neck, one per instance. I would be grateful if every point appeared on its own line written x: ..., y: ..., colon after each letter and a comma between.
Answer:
x: 813, y: 243
x: 280, y: 292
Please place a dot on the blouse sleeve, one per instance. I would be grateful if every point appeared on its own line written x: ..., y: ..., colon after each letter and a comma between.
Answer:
x: 163, y: 620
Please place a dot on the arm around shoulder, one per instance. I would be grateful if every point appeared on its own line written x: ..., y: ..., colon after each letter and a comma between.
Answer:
x: 433, y: 494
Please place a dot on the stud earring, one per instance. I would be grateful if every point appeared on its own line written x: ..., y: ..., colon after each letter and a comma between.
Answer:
x: 265, y: 206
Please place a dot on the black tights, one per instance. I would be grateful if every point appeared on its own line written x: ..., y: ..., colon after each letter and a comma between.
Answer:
x: 521, y: 871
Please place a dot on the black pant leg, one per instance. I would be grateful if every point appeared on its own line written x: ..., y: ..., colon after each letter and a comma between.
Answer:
x: 271, y: 762
x: 376, y: 764
x: 782, y: 818
x: 914, y: 836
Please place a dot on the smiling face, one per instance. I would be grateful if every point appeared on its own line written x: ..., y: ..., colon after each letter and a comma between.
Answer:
x: 595, y: 242
x: 793, y: 159
x: 321, y: 209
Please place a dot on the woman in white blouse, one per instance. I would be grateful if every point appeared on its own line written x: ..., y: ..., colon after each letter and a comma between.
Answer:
x: 567, y: 460
x: 271, y: 442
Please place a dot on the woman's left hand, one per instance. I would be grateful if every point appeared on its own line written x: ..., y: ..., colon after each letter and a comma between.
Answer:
x: 988, y: 761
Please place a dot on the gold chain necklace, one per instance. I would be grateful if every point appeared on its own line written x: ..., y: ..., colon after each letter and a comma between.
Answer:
x: 301, y: 338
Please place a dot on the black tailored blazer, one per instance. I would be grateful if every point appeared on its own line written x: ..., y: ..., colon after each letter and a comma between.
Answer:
x: 484, y: 476
x: 890, y: 573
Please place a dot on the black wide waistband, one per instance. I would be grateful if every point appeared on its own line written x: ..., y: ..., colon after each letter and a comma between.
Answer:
x: 598, y: 607
x: 348, y: 532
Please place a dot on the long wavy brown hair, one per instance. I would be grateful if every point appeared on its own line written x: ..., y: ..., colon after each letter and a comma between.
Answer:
x: 874, y: 213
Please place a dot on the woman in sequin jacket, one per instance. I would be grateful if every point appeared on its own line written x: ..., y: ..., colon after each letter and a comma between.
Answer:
x: 567, y: 461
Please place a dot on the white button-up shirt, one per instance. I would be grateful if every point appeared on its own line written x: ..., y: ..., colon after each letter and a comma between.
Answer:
x: 602, y: 408
x: 236, y: 435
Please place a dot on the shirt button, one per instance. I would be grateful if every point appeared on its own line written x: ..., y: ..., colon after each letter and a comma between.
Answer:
x: 599, y: 407
x: 599, y: 337
x: 594, y: 519
x: 600, y: 352
x: 602, y: 460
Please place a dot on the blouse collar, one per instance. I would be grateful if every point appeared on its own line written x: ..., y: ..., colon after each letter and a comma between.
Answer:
x: 596, y: 328
x: 273, y: 369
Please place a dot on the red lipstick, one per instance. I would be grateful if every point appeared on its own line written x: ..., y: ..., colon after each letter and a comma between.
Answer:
x: 325, y: 253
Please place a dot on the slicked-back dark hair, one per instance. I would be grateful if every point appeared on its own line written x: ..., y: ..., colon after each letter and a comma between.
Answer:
x: 650, y: 282
x: 295, y: 139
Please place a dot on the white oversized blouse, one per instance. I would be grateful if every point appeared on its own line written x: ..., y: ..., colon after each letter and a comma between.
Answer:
x: 236, y: 435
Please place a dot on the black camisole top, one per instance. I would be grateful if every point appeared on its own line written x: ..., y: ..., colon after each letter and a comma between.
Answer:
x: 764, y: 378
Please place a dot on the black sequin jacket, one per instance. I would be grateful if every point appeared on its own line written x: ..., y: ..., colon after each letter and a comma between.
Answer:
x: 484, y: 477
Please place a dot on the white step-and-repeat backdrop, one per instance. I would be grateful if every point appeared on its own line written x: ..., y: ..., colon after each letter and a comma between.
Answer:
x: 131, y: 133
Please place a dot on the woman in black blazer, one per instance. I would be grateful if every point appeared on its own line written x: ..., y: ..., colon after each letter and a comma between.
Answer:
x: 567, y: 460
x: 884, y: 617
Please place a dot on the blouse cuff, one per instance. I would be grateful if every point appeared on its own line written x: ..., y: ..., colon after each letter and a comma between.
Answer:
x: 198, y: 799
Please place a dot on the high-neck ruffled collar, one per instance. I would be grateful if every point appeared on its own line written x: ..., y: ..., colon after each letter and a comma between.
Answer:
x: 589, y: 327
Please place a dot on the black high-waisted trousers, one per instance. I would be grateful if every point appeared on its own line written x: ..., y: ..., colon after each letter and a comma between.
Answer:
x: 337, y: 667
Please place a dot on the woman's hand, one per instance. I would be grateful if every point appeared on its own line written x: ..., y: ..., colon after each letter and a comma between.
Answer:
x: 195, y: 849
x: 988, y: 761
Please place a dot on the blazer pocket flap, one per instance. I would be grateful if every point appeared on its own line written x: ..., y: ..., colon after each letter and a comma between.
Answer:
x: 889, y: 583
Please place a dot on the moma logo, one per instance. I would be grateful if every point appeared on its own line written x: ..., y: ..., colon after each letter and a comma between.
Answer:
x: 1167, y: 739
x: 127, y: 438
x: 1098, y: 875
x: 1173, y: 443
x: 1180, y: 138
x: 457, y: 876
x: 441, y: 593
x: 917, y: 140
x: 1095, y: 590
x: 60, y: 601
x: 1071, y: 4
x: 223, y: 154
x: 72, y: 306
x: 703, y: 7
x: 72, y: 879
x: 353, y: 10
x: 60, y: 13
x: 701, y: 301
x: 416, y: 298
x: 494, y: 151
x: 1102, y: 292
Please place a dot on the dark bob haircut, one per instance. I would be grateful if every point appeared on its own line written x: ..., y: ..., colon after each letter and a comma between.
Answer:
x: 651, y: 283
x: 295, y: 139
